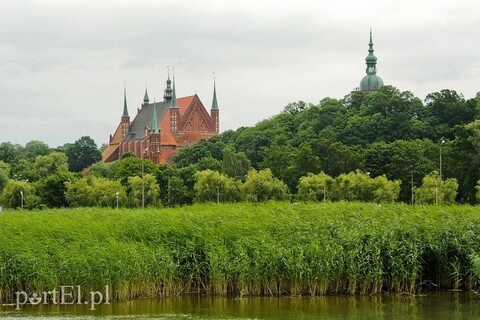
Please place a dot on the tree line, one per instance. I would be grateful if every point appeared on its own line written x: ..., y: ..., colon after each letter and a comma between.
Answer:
x: 387, y: 132
x: 379, y: 146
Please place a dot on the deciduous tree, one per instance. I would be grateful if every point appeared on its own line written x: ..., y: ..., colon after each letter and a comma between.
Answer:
x: 4, y: 174
x: 50, y: 164
x: 235, y: 164
x: 212, y: 185
x: 18, y: 193
x: 34, y: 149
x: 94, y: 192
x: 315, y: 187
x: 262, y: 186
x: 436, y: 191
x: 151, y: 191
x: 52, y: 189
x: 82, y: 153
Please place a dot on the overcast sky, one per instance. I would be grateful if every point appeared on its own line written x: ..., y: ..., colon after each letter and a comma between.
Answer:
x: 63, y: 63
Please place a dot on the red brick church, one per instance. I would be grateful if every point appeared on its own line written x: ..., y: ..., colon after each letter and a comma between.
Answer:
x: 160, y: 129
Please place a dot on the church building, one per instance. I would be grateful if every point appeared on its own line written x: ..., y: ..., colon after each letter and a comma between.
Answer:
x: 160, y: 129
x: 371, y: 82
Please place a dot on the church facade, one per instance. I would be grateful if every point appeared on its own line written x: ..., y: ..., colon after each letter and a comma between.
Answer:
x: 160, y: 129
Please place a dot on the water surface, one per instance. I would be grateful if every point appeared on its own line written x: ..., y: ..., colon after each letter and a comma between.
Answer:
x: 441, y: 305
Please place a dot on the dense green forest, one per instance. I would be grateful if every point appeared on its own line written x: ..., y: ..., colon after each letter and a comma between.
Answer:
x: 378, y: 146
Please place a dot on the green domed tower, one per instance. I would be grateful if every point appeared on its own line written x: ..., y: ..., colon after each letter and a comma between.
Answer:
x: 371, y: 82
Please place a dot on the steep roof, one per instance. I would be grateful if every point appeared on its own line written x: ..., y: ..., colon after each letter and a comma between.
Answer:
x: 145, y: 118
x: 111, y: 152
x: 183, y: 103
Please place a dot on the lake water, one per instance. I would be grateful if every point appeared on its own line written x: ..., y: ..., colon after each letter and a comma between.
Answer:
x: 441, y: 305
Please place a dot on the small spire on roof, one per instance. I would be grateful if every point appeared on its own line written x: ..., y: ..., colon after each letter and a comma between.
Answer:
x: 371, y: 59
x: 214, y: 101
x: 146, y: 100
x: 154, y: 118
x: 174, y: 95
x: 125, y: 110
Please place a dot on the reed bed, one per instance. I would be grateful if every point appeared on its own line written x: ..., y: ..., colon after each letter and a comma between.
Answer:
x: 242, y: 249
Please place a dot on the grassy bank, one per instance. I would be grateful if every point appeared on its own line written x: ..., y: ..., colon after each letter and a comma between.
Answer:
x: 275, y: 248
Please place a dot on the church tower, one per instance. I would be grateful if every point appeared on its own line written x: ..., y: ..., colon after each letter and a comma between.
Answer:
x: 125, y: 121
x: 214, y: 111
x: 371, y: 82
x: 174, y: 111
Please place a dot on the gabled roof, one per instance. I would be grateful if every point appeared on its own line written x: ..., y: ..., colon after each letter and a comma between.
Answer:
x: 195, y: 109
x: 111, y: 152
x: 145, y: 117
x: 183, y: 103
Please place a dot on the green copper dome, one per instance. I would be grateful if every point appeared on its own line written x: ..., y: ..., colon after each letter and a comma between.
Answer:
x: 371, y: 81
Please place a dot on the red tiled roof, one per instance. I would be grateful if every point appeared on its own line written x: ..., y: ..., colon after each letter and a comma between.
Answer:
x: 111, y: 152
x: 183, y: 103
x: 166, y: 136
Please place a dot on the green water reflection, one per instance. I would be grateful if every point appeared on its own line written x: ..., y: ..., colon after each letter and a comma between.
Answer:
x: 442, y: 305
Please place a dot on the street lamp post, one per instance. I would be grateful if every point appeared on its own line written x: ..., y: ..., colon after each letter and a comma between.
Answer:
x: 21, y: 199
x: 116, y: 195
x: 413, y: 194
x: 143, y: 178
x: 168, y: 192
x: 441, y: 177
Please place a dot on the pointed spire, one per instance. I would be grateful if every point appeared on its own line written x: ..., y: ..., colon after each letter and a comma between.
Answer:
x: 214, y: 101
x: 146, y: 100
x: 371, y: 82
x: 154, y: 118
x: 125, y: 110
x: 371, y: 59
x: 174, y: 96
